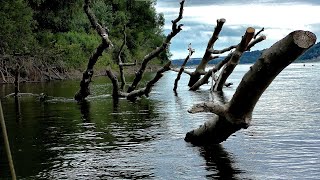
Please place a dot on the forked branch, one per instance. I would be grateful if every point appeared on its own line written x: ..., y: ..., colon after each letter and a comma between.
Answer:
x: 175, y: 30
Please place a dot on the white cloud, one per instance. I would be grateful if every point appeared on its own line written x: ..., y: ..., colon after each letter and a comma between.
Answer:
x: 278, y: 20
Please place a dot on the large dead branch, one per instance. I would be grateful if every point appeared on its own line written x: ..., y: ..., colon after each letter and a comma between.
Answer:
x: 133, y: 95
x: 237, y: 113
x: 145, y: 91
x: 229, y: 67
x: 191, y: 51
x: 205, y: 78
x: 208, y: 53
x: 105, y: 44
x: 175, y: 30
x: 216, y: 68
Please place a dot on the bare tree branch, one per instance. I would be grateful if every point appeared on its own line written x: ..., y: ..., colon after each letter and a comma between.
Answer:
x: 228, y: 69
x: 212, y: 107
x: 207, y: 55
x: 120, y: 64
x: 222, y: 50
x: 175, y: 30
x: 105, y: 44
x: 205, y: 78
x: 191, y: 51
x: 256, y: 35
x: 256, y: 41
x: 145, y: 91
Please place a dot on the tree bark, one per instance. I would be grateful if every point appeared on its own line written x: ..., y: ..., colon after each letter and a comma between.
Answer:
x: 105, y: 44
x: 191, y: 51
x: 229, y: 67
x: 175, y: 30
x: 237, y: 113
x: 208, y: 53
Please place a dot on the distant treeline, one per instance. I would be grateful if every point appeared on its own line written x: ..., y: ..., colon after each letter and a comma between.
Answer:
x: 313, y: 54
x: 58, y: 32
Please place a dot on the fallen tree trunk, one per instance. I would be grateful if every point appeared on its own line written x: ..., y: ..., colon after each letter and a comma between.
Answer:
x: 237, y: 113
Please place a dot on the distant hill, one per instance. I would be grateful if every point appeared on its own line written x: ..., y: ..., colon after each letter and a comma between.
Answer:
x: 313, y: 54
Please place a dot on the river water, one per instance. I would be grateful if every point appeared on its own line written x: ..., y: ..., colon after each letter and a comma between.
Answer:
x: 61, y: 139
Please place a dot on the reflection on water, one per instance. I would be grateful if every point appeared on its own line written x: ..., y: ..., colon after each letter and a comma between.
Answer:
x: 219, y: 162
x: 105, y: 139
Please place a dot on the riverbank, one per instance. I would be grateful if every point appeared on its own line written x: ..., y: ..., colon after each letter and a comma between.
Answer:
x: 31, y: 73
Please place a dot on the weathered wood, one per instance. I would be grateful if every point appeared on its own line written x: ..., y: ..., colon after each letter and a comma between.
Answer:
x: 115, y: 85
x: 205, y: 78
x: 145, y: 91
x: 256, y: 35
x: 208, y: 53
x: 105, y: 44
x: 191, y: 51
x: 229, y: 67
x: 237, y: 113
x: 175, y: 30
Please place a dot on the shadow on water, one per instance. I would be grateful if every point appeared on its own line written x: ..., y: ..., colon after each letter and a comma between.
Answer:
x: 85, y: 111
x: 219, y: 163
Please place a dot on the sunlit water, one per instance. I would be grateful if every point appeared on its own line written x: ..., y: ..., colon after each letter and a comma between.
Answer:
x: 60, y: 139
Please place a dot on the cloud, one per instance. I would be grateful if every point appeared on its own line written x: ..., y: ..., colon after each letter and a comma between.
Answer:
x: 200, y: 17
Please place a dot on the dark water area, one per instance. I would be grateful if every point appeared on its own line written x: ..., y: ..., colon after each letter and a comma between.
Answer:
x: 61, y: 139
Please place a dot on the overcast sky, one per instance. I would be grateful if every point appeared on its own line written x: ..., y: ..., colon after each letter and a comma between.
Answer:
x: 278, y: 17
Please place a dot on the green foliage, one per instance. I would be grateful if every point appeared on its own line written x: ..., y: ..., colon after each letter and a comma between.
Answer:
x: 16, y: 27
x: 59, y: 32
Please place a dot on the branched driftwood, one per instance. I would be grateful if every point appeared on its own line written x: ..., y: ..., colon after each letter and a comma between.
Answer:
x: 175, y: 30
x: 105, y: 44
x: 229, y: 67
x: 237, y: 113
x: 216, y: 68
x: 191, y: 51
x: 208, y: 53
x: 145, y: 91
x: 133, y: 95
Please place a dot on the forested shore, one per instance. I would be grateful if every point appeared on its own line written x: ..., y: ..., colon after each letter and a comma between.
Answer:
x: 48, y: 40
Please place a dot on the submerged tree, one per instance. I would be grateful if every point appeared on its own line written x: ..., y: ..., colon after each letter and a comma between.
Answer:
x: 237, y: 113
x: 107, y: 44
x: 229, y: 116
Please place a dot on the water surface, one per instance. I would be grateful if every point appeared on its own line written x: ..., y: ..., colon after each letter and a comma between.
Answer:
x: 97, y: 139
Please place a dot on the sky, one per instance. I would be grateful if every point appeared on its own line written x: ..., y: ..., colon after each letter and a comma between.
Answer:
x: 278, y: 17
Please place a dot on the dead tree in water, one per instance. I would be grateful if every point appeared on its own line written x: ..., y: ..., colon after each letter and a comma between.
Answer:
x: 174, y: 31
x: 232, y: 59
x: 191, y: 51
x: 132, y: 93
x: 237, y: 113
x: 209, y: 54
x: 105, y: 44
